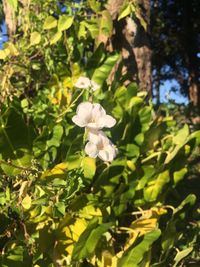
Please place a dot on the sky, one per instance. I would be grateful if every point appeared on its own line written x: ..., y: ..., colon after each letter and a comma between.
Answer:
x: 3, y: 36
x: 166, y: 92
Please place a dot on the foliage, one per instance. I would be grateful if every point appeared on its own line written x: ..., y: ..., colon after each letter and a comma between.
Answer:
x: 173, y: 23
x: 60, y: 207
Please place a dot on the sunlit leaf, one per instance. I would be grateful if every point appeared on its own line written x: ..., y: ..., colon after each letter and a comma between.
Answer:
x: 26, y: 202
x: 65, y: 22
x: 35, y: 38
x: 56, y: 37
x: 49, y: 23
x: 155, y: 187
x: 101, y: 73
x: 89, y: 167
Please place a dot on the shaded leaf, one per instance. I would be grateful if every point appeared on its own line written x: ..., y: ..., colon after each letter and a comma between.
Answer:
x: 134, y: 255
x: 89, y: 239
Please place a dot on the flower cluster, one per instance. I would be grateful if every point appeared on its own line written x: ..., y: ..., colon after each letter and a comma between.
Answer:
x: 84, y: 82
x: 93, y: 117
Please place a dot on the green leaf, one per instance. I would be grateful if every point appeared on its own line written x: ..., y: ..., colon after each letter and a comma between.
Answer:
x: 181, y: 255
x: 133, y: 256
x: 132, y: 151
x: 82, y: 31
x: 125, y: 10
x: 134, y: 101
x: 73, y: 162
x: 145, y: 117
x: 181, y: 139
x: 16, y: 255
x: 190, y: 199
x: 24, y: 103
x: 55, y: 38
x: 92, y: 27
x: 179, y: 175
x: 65, y: 22
x: 49, y: 23
x: 139, y: 139
x: 61, y: 207
x: 35, y: 38
x: 4, y: 53
x: 105, y: 27
x: 96, y: 58
x: 94, y: 5
x: 149, y: 171
x: 101, y: 74
x: 154, y: 188
x: 26, y: 202
x: 15, y: 141
x: 181, y: 136
x: 89, y: 167
x: 169, y: 236
x: 89, y: 239
x: 56, y: 136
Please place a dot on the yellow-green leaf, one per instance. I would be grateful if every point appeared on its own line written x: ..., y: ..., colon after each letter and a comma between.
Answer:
x: 55, y: 38
x: 57, y: 172
x: 179, y: 175
x: 26, y: 202
x: 89, y: 167
x: 35, y: 38
x: 49, y: 23
x: 4, y: 53
x: 65, y: 22
x: 155, y: 187
x: 125, y: 11
x: 12, y: 49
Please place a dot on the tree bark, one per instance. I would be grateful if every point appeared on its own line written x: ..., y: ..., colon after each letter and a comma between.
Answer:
x: 132, y: 41
x: 142, y: 49
x: 10, y: 19
x: 191, y: 51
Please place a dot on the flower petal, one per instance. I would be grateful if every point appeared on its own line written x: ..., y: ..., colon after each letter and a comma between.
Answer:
x: 98, y: 111
x: 106, y: 121
x: 84, y: 111
x: 83, y: 82
x: 92, y: 126
x: 79, y: 121
x: 91, y: 150
x: 83, y: 107
x: 104, y: 155
x: 108, y: 153
x: 94, y: 86
x: 95, y: 136
x: 112, y: 152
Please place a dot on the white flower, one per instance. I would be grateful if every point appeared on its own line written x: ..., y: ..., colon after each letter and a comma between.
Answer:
x: 92, y: 116
x: 99, y: 145
x: 94, y: 86
x: 84, y: 83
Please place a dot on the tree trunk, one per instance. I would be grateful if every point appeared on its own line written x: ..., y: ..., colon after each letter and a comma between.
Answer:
x: 132, y: 41
x: 9, y: 18
x: 142, y: 49
x: 191, y: 51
